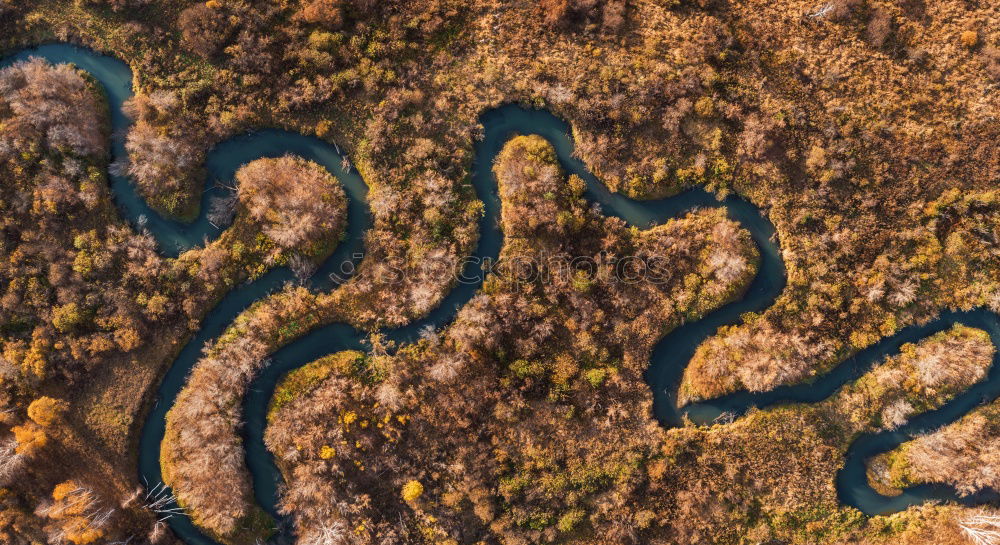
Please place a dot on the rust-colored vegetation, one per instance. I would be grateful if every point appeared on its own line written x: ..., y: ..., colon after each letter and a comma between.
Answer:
x: 865, y: 130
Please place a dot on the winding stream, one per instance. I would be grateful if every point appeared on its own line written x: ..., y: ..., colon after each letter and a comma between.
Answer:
x: 670, y: 355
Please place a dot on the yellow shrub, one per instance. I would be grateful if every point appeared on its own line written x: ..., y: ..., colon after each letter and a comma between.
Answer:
x: 30, y: 439
x: 969, y: 38
x: 412, y: 490
x: 46, y: 411
x: 62, y: 490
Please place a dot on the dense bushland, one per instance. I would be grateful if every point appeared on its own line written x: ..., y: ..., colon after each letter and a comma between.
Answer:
x: 962, y: 454
x: 922, y: 377
x: 699, y: 484
x: 663, y: 98
x: 302, y: 210
x: 163, y: 162
x: 297, y: 203
x: 770, y: 475
x: 205, y: 421
x: 461, y: 412
x: 865, y: 130
x: 202, y: 455
x: 71, y: 278
x: 83, y: 293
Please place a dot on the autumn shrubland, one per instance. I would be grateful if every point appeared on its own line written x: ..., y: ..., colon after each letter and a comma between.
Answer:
x: 301, y: 210
x: 202, y: 455
x: 770, y: 475
x: 961, y: 455
x: 864, y: 130
x: 532, y: 186
x: 570, y: 367
x: 84, y: 292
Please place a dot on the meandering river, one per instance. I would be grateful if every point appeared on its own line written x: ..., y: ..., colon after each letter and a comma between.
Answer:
x: 670, y: 355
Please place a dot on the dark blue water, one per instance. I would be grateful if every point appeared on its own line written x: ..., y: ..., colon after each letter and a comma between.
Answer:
x: 670, y: 355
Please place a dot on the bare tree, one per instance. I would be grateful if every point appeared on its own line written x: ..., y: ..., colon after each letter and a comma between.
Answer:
x: 301, y: 266
x: 12, y: 464
x: 331, y: 533
x: 982, y: 528
x: 221, y: 210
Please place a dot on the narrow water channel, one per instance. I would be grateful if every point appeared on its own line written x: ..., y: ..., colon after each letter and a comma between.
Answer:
x: 670, y: 355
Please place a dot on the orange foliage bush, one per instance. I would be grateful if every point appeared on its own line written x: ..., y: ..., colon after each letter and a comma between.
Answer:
x: 46, y: 411
x: 203, y: 29
x: 325, y: 12
x: 77, y: 513
x: 30, y: 439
